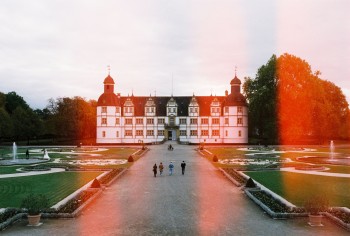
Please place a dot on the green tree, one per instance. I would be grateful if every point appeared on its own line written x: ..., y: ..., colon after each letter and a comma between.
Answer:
x: 261, y: 95
x: 6, y: 126
x: 26, y: 124
x: 13, y: 100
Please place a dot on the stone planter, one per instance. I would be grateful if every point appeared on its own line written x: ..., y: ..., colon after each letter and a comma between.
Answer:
x: 34, y: 220
x: 315, y: 220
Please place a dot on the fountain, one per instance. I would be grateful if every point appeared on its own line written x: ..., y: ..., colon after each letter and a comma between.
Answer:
x: 14, y: 152
x: 46, y: 155
x: 331, y: 147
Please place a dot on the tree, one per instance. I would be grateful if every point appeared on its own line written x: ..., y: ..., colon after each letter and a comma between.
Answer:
x: 290, y: 103
x: 6, y: 126
x: 26, y: 124
x: 73, y: 118
x: 308, y: 107
x: 13, y: 101
x: 261, y: 96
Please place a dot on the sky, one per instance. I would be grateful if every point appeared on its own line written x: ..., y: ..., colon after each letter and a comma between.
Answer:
x: 61, y: 48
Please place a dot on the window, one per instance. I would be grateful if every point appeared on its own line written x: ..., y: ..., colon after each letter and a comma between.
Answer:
x: 182, y: 121
x: 191, y: 110
x: 204, y: 132
x: 160, y: 132
x: 139, y: 121
x: 150, y: 132
x: 226, y: 122
x: 171, y: 120
x: 215, y: 109
x: 195, y: 109
x: 240, y: 121
x: 193, y: 121
x: 204, y: 121
x: 226, y: 109
x: 103, y: 134
x: 128, y: 132
x: 147, y: 109
x: 128, y: 109
x: 215, y: 121
x: 104, y: 109
x: 226, y: 133
x: 194, y: 132
x: 117, y: 134
x: 104, y: 121
x: 239, y: 133
x: 169, y: 110
x: 240, y: 109
x: 139, y: 132
x: 183, y: 133
x: 117, y: 121
x: 161, y: 121
x: 117, y: 109
x: 128, y: 121
x: 174, y: 109
x: 215, y: 132
x: 150, y: 121
x: 152, y: 109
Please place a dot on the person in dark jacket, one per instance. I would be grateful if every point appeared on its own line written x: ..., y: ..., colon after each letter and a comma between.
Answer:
x: 183, y: 166
x: 161, y: 167
x: 155, y: 170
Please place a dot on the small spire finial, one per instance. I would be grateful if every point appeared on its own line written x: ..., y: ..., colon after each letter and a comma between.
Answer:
x: 235, y: 71
x: 109, y: 69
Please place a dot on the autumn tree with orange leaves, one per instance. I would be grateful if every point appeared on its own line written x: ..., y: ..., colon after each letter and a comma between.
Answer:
x: 304, y: 107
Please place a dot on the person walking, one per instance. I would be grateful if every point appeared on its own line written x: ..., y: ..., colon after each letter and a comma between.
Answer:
x: 27, y: 154
x: 155, y: 170
x: 183, y: 166
x: 171, y: 167
x: 161, y: 167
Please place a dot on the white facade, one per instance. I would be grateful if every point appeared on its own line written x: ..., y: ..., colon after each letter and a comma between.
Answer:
x: 186, y: 119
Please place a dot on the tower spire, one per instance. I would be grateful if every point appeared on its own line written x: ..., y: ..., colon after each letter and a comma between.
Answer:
x: 109, y: 69
x: 235, y: 71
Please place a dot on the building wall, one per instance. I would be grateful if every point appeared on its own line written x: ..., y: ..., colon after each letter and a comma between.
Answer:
x: 230, y: 127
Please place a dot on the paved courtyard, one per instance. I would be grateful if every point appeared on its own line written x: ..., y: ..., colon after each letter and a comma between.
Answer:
x: 202, y: 202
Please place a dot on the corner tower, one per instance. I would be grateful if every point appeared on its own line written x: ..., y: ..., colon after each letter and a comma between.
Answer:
x: 108, y: 113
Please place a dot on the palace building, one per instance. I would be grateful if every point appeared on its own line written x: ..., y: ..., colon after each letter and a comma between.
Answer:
x: 188, y: 119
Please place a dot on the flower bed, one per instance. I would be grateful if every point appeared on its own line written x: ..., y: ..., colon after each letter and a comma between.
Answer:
x: 274, y: 204
x: 235, y: 175
x: 110, y: 176
x: 76, y: 202
x: 70, y: 209
x: 341, y: 214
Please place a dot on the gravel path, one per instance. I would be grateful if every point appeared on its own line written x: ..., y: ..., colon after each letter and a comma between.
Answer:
x: 202, y: 202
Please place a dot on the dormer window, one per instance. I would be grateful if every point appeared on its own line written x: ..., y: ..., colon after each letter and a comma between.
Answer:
x: 193, y: 107
x: 128, y: 107
x: 150, y: 107
x: 215, y: 108
x: 172, y: 107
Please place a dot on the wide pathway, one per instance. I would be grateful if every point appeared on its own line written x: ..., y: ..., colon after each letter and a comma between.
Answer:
x: 202, y: 202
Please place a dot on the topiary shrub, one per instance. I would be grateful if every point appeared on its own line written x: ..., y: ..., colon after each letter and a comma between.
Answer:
x: 130, y: 159
x: 215, y: 158
x: 250, y: 183
x: 95, y: 184
x: 35, y: 203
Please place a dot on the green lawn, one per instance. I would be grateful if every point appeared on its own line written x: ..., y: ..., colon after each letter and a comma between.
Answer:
x: 9, y: 169
x: 55, y: 186
x: 296, y: 187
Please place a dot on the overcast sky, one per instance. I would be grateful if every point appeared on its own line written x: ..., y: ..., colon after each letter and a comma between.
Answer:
x: 61, y: 48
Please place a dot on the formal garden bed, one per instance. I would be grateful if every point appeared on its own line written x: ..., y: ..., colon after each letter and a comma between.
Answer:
x: 277, y: 208
x: 70, y: 208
